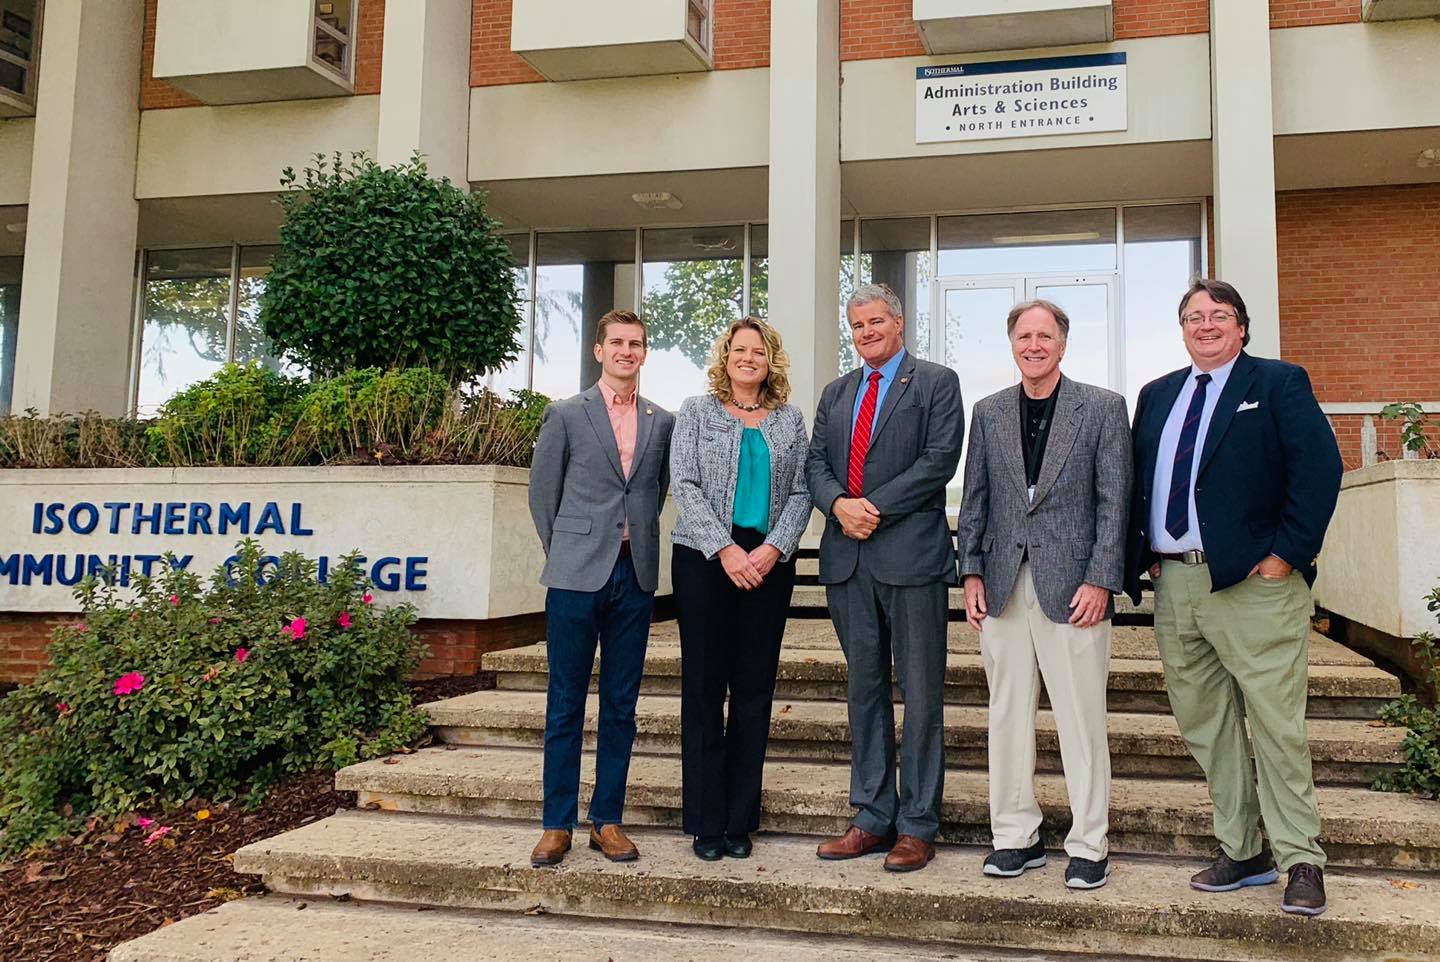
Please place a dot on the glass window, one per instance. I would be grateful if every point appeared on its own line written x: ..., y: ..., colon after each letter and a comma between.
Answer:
x: 9, y: 326
x: 578, y: 277
x: 1162, y: 254
x: 19, y: 33
x: 186, y: 321
x: 697, y: 22
x: 897, y: 253
x: 694, y: 282
x: 251, y: 344
x: 334, y: 21
x: 516, y: 374
x: 1032, y: 242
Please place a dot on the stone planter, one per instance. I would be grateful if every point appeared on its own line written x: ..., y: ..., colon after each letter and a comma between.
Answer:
x: 455, y: 540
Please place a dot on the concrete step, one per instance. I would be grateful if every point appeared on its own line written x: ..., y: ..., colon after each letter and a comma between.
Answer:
x: 278, y: 929
x: 1344, y: 751
x: 1146, y: 911
x: 810, y: 597
x: 1127, y: 641
x: 1147, y: 816
x: 1136, y: 684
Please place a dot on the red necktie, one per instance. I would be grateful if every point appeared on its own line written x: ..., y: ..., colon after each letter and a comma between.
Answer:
x: 860, y: 440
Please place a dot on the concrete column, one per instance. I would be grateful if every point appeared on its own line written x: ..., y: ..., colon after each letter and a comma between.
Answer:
x: 804, y: 239
x: 425, y: 85
x: 77, y: 291
x: 1243, y: 144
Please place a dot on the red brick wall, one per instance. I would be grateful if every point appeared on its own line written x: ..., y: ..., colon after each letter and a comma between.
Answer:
x: 1160, y: 18
x: 1309, y: 13
x: 742, y: 34
x: 491, y: 61
x: 878, y: 29
x: 1347, y: 433
x: 1360, y: 296
x: 369, y: 41
x: 23, y: 639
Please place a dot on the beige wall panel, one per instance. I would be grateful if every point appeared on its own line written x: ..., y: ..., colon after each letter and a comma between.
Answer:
x: 692, y: 122
x: 1169, y: 100
x: 17, y: 144
x: 242, y: 149
x: 1356, y: 76
x: 258, y: 35
x: 548, y: 24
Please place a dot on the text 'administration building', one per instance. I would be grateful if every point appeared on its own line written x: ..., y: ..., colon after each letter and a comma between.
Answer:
x: 700, y: 158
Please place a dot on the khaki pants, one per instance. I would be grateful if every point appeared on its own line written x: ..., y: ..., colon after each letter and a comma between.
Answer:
x: 1075, y: 663
x: 1236, y: 654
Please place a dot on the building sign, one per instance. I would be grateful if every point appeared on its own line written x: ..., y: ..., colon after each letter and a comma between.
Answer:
x: 1020, y: 98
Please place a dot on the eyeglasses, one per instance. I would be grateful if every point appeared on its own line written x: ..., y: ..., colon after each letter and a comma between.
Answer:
x: 1198, y: 318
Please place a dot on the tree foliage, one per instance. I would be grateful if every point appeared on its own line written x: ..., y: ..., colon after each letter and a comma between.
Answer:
x: 698, y: 300
x: 388, y: 267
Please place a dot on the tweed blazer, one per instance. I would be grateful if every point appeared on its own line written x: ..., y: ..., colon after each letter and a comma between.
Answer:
x: 1074, y: 528
x: 705, y: 464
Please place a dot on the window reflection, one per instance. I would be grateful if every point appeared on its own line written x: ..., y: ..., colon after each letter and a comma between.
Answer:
x: 10, y: 269
x: 896, y: 252
x: 694, y: 287
x: 186, y: 309
x: 19, y: 28
x: 333, y: 19
x: 1032, y: 242
x: 515, y: 374
x: 251, y: 344
x: 578, y: 277
x: 1162, y: 254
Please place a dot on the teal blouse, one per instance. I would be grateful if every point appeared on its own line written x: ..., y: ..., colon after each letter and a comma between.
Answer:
x: 752, y: 483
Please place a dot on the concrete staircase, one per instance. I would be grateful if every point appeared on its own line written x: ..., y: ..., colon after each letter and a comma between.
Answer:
x: 441, y: 841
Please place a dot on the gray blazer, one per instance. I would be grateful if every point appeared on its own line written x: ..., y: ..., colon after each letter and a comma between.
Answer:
x: 580, y: 499
x: 914, y: 449
x: 704, y: 465
x: 1074, y: 529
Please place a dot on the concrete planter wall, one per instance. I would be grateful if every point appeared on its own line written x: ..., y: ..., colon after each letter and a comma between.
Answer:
x: 456, y: 540
x: 1382, y: 551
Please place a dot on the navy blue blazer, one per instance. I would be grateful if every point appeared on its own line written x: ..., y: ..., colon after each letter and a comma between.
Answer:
x: 1268, y: 476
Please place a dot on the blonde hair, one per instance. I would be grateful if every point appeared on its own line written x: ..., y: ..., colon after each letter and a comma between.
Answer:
x: 775, y: 390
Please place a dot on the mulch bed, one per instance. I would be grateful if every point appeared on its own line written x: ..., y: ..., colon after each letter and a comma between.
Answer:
x: 80, y: 897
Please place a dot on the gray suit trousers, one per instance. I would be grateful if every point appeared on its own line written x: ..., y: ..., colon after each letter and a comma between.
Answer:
x: 877, y: 623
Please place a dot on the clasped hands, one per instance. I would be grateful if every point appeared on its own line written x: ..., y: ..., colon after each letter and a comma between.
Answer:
x: 1087, y: 607
x: 857, y: 516
x: 747, y: 569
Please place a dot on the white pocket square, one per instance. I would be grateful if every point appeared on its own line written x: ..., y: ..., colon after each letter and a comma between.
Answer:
x: 1247, y: 406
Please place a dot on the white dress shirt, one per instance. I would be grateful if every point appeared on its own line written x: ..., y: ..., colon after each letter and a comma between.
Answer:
x: 1161, y: 540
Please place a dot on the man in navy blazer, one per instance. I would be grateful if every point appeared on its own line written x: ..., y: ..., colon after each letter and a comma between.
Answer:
x: 1236, y: 477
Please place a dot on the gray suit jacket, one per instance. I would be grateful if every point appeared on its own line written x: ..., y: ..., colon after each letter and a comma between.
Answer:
x: 914, y: 449
x: 580, y: 499
x: 1074, y: 529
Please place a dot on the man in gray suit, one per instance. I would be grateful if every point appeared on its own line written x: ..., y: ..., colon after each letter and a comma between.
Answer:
x: 1042, y: 549
x: 598, y: 479
x: 887, y: 440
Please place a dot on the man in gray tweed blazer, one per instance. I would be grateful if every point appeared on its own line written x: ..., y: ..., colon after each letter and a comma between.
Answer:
x: 887, y: 440
x: 1042, y: 548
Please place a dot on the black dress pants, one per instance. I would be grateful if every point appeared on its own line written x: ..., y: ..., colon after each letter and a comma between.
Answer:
x: 729, y: 642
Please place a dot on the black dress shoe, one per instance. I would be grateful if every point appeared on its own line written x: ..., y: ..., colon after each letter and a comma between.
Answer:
x: 738, y: 846
x: 1305, y: 894
x: 711, y: 848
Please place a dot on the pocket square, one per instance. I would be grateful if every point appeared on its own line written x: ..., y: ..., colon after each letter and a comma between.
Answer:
x: 1247, y: 406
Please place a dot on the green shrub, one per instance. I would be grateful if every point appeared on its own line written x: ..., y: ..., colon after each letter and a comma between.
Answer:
x: 240, y: 685
x: 368, y: 411
x: 1420, y: 775
x: 387, y: 267
x: 83, y: 441
x: 240, y: 415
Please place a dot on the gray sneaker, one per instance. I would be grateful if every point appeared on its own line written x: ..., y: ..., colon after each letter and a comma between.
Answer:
x: 1010, y: 862
x: 1084, y: 873
x: 1225, y: 874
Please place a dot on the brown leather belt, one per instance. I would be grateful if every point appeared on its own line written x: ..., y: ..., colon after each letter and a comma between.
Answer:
x: 1186, y: 557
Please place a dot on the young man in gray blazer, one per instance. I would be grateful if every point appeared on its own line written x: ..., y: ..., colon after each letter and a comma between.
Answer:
x: 1042, y: 551
x: 597, y: 482
x: 887, y: 440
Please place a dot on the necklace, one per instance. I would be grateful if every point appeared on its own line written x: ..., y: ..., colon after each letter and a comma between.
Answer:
x: 748, y: 408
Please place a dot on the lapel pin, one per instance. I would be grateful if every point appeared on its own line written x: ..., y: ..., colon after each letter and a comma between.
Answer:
x: 904, y: 380
x: 649, y: 410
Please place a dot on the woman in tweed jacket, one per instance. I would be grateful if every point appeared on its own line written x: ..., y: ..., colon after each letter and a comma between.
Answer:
x: 737, y: 459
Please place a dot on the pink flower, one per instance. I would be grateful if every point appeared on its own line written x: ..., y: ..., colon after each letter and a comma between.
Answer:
x: 241, y: 654
x: 144, y: 822
x: 129, y: 683
x: 175, y: 601
x: 134, y: 615
x: 80, y: 627
x: 62, y: 707
x: 210, y: 675
x: 296, y: 629
x: 214, y: 621
x: 344, y: 620
x: 157, y: 835
x: 367, y: 597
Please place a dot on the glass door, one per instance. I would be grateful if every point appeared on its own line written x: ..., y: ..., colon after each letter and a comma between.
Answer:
x: 1089, y: 302
x: 975, y: 344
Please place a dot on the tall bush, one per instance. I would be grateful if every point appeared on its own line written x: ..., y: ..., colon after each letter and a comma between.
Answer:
x: 217, y: 691
x: 388, y: 267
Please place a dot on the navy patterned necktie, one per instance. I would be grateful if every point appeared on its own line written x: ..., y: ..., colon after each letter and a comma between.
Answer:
x: 1177, y: 509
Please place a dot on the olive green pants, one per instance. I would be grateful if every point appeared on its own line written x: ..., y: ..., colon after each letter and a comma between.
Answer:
x: 1236, y: 654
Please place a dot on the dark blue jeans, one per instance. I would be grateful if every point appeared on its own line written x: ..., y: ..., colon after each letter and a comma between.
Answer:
x: 618, y: 617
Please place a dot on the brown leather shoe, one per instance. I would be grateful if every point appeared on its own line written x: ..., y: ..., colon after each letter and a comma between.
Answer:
x: 554, y: 843
x: 910, y: 853
x: 853, y: 844
x: 611, y: 842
